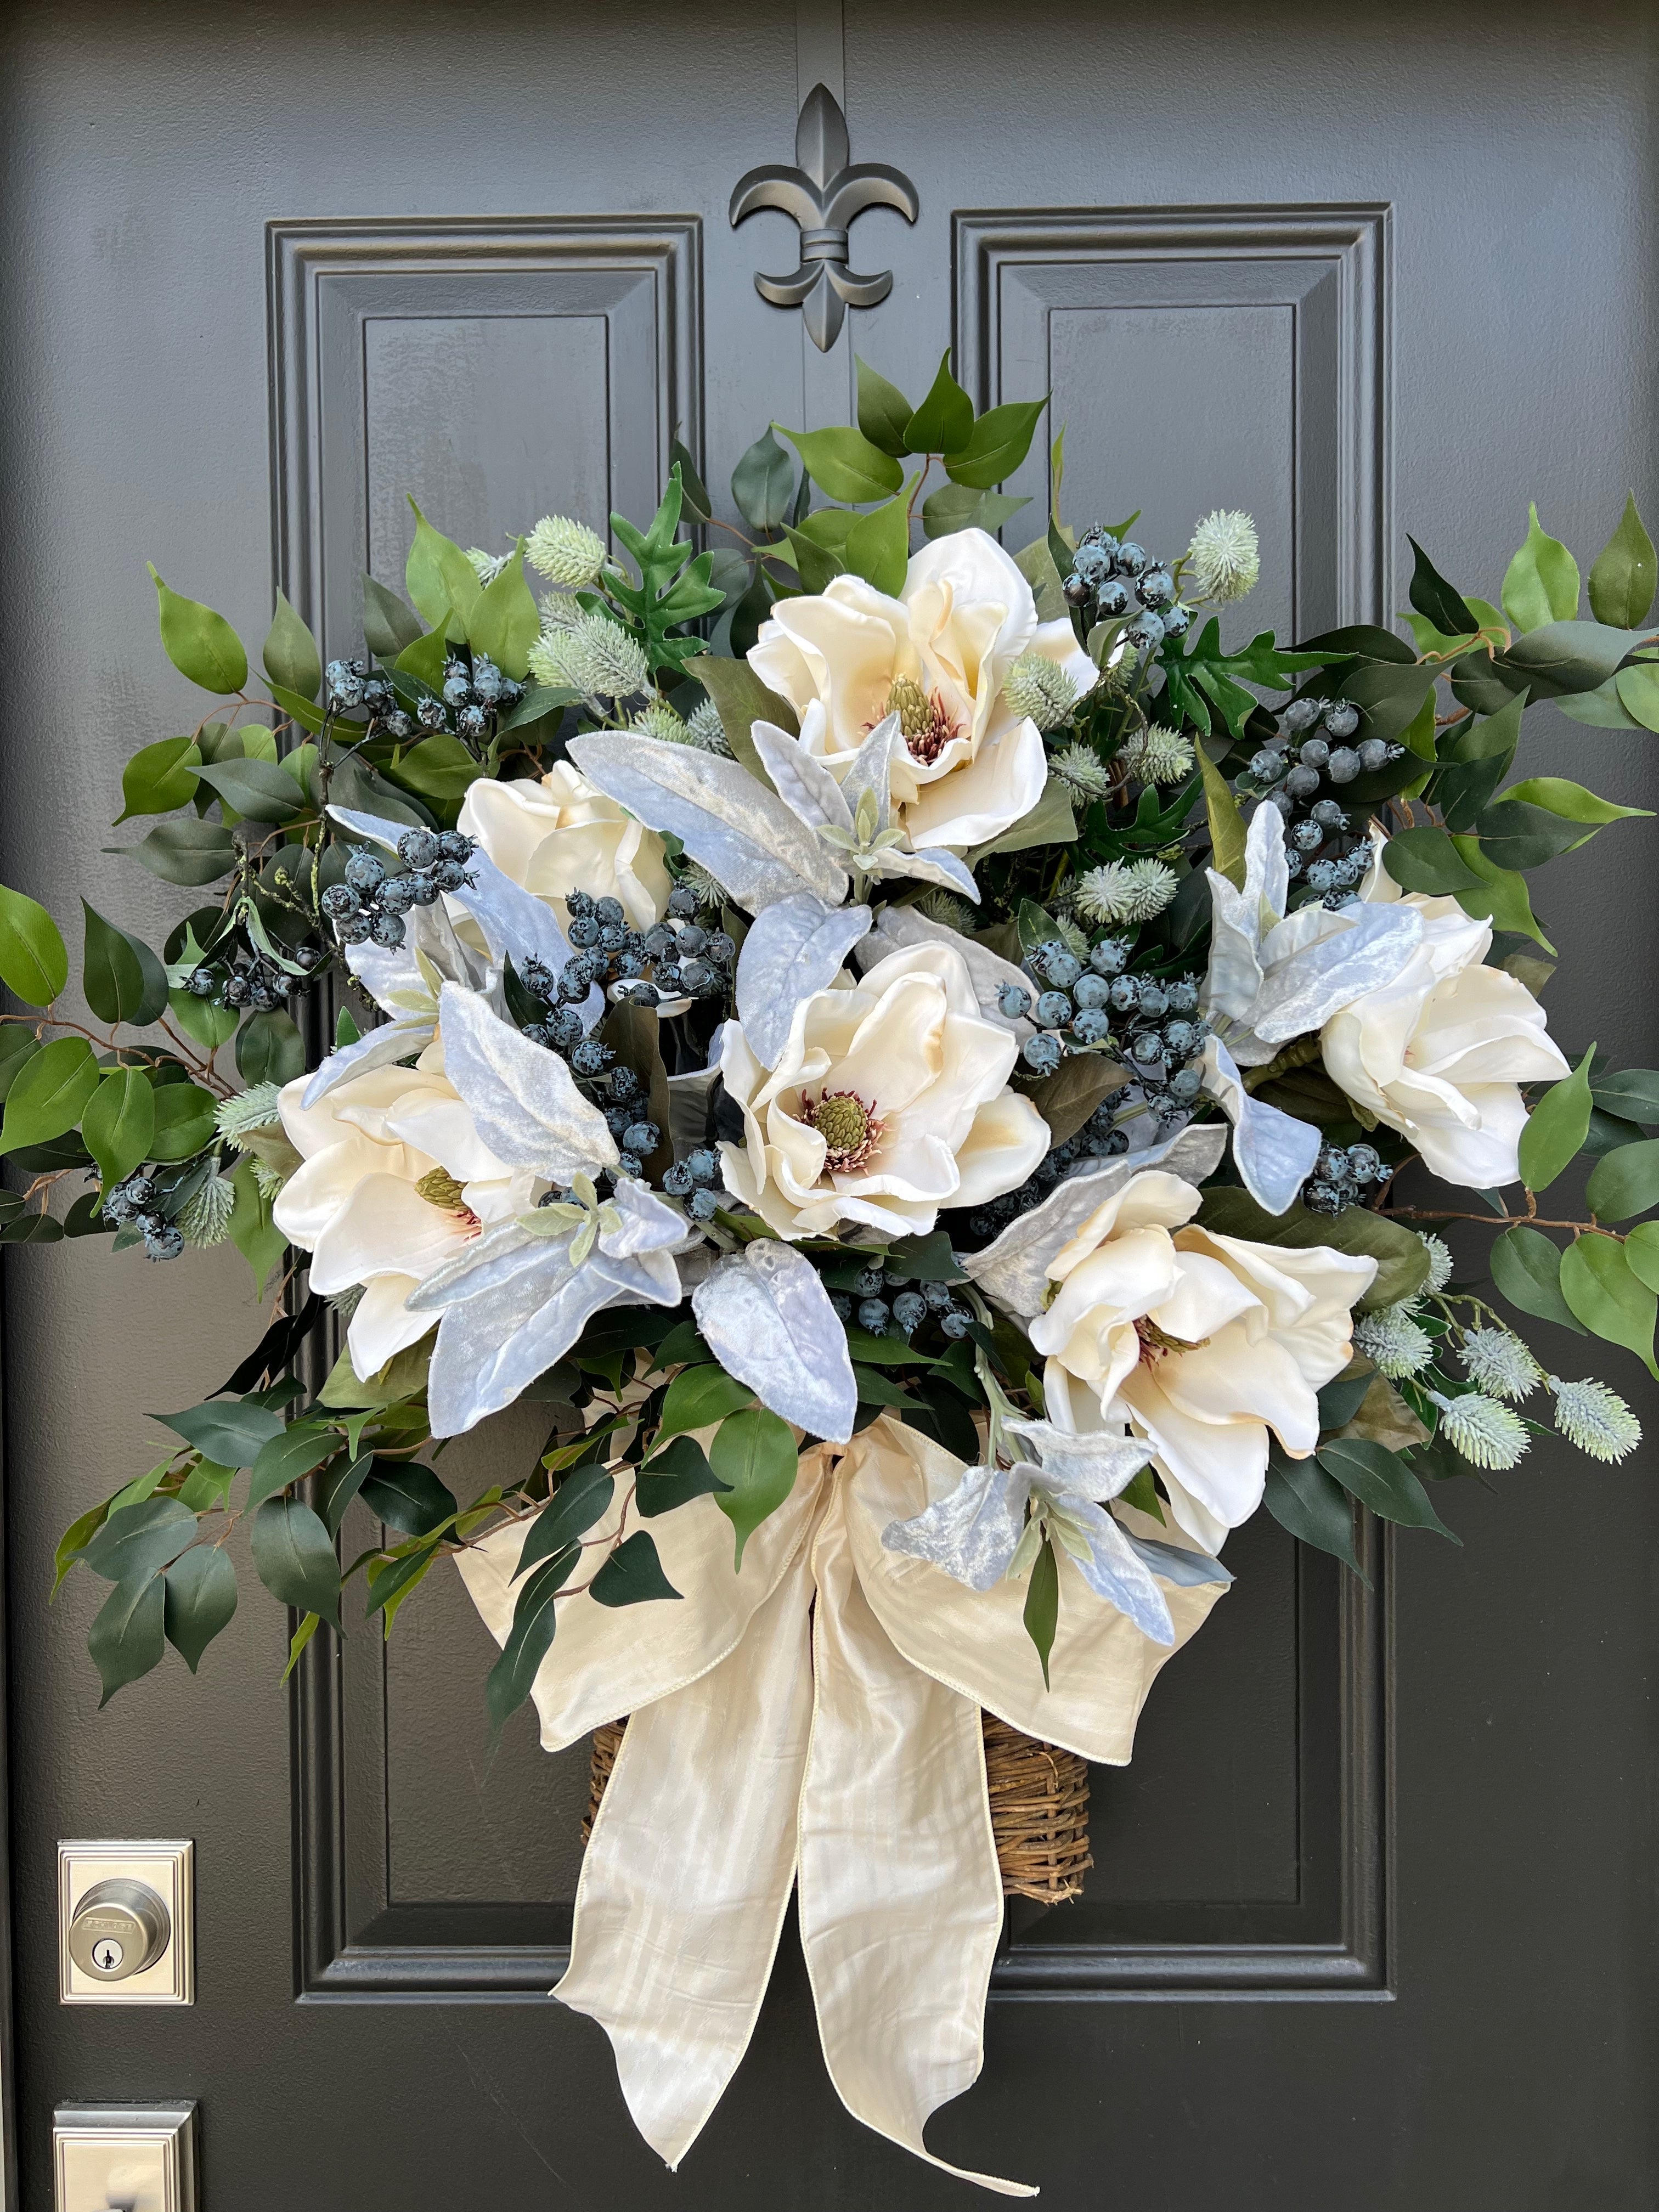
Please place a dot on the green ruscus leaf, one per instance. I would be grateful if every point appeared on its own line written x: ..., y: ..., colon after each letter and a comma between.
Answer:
x: 199, y: 643
x: 1556, y: 1128
x: 34, y: 958
x: 1623, y: 575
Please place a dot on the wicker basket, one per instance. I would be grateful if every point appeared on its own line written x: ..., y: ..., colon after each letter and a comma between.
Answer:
x: 1039, y: 1808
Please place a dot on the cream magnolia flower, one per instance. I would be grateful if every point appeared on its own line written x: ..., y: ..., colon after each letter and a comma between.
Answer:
x: 395, y: 1182
x: 888, y: 1100
x: 1200, y: 1343
x: 1438, y: 1052
x: 561, y: 835
x: 939, y: 655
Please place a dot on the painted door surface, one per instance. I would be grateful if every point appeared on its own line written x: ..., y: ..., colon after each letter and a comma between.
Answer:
x: 1371, y: 1917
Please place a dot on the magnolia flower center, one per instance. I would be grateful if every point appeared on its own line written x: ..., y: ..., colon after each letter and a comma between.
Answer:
x: 440, y: 1188
x: 850, y: 1128
x: 1155, y: 1342
x: 927, y: 724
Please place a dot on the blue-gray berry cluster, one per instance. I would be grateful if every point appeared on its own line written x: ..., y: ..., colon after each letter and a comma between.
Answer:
x: 475, y: 695
x: 1090, y: 1004
x: 1302, y: 769
x: 1340, y: 1177
x: 696, y: 1180
x: 136, y: 1203
x: 887, y: 1301
x: 369, y: 906
x: 1111, y: 578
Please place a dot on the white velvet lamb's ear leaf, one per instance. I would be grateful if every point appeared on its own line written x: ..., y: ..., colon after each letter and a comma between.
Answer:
x: 376, y: 828
x: 1175, y: 1562
x: 801, y: 780
x: 516, y: 924
x: 871, y: 769
x: 928, y: 864
x: 381, y: 1048
x: 727, y: 820
x: 1274, y: 1153
x: 1093, y: 1463
x: 973, y: 1532
x: 1013, y: 1270
x: 523, y: 1099
x: 1115, y: 1571
x: 767, y: 1318
x: 795, y: 948
x: 1300, y: 994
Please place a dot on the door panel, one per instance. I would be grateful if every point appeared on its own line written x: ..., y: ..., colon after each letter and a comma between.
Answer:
x: 1371, y: 1920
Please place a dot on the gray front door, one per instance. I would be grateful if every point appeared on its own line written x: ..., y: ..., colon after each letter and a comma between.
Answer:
x: 1370, y: 1922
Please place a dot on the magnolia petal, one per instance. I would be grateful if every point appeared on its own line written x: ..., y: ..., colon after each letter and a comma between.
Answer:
x: 794, y: 948
x: 523, y: 1098
x: 745, y: 835
x: 1274, y: 1151
x: 381, y: 1048
x: 801, y: 780
x: 1013, y: 1270
x: 768, y: 1319
x: 899, y: 928
x: 973, y: 1532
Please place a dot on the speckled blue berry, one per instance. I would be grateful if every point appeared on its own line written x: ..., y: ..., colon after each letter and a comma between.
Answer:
x: 1343, y: 765
x: 1341, y: 718
x: 1110, y: 957
x: 1178, y: 620
x: 1092, y: 1026
x: 1014, y: 999
x: 338, y: 901
x: 1053, y: 1010
x: 1112, y: 600
x: 1186, y: 1083
x: 1156, y: 589
x: 1301, y: 714
x: 1144, y: 632
x: 909, y: 1311
x: 642, y: 1137
x: 364, y: 872
x: 387, y: 929
x: 591, y: 1057
x: 705, y: 1165
x: 938, y: 1295
x: 955, y: 1323
x: 1091, y: 991
x: 1042, y: 1053
x: 1132, y: 559
x: 679, y: 1181
x: 874, y: 1313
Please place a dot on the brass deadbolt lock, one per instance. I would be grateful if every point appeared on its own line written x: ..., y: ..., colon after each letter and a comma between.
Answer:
x: 119, y: 1927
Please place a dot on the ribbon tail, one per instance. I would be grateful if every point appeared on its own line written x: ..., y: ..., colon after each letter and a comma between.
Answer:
x: 900, y: 1899
x: 687, y: 1876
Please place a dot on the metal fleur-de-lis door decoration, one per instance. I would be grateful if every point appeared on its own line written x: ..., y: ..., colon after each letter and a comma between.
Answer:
x: 823, y: 192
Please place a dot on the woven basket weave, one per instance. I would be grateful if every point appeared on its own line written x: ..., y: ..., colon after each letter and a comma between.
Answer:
x: 1039, y: 1808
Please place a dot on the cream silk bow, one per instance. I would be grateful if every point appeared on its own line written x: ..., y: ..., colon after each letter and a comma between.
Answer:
x: 835, y: 1744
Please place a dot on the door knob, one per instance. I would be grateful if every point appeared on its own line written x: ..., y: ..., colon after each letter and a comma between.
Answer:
x: 119, y: 1927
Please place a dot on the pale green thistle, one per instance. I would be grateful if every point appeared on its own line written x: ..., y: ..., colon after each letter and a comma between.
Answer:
x: 1594, y: 1419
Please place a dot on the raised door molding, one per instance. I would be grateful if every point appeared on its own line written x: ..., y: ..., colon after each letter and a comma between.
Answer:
x: 1231, y: 356
x: 497, y: 367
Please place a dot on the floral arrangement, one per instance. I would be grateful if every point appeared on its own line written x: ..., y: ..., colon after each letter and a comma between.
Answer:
x: 938, y: 1075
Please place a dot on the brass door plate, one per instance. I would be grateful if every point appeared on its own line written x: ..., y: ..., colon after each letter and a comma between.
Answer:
x: 169, y: 1869
x: 139, y: 2157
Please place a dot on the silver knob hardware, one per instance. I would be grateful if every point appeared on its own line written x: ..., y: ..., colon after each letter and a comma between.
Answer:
x: 119, y: 1927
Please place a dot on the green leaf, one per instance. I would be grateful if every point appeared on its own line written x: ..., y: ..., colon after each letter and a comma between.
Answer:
x: 184, y: 1122
x: 535, y: 1618
x: 1067, y: 1098
x: 1527, y: 1268
x: 674, y: 1477
x: 1641, y: 1256
x: 390, y: 1580
x: 959, y: 507
x: 815, y: 565
x: 186, y: 852
x: 1402, y: 1258
x: 1556, y: 1128
x: 698, y: 505
x: 1041, y: 1610
x: 138, y: 1540
x: 439, y: 767
x: 299, y: 1451
x: 1566, y: 657
x: 206, y: 1485
x: 1626, y: 1182
x: 1500, y: 896
x: 409, y: 1497
x: 51, y: 1095
x: 1381, y: 1480
x: 123, y: 979
x: 1622, y: 577
x: 252, y: 1232
x: 1608, y: 1297
x: 388, y: 625
x: 1637, y: 691
x: 200, y: 1600
x: 270, y: 1048
x: 1632, y: 1094
x: 292, y: 659
x: 928, y: 1258
x: 439, y: 579
x: 878, y: 548
x: 119, y: 1123
x: 1571, y: 801
x: 73, y: 1542
x: 1431, y: 595
x: 1540, y: 584
x: 338, y: 1485
x: 1037, y: 564
x: 884, y: 410
x: 504, y: 623
x: 231, y: 1433
x: 741, y: 700
x: 754, y: 1454
x: 996, y: 444
x: 844, y: 463
x: 699, y: 1396
x: 633, y: 1574
x: 944, y: 423
x: 1226, y: 823
x: 581, y: 1499
x: 763, y: 483
x: 1427, y: 860
x: 159, y: 777
x: 1517, y: 835
x: 199, y: 643
x: 294, y: 1557
x: 1311, y: 1505
x: 126, y: 1640
x: 34, y: 958
x: 18, y: 1046
x: 256, y: 789
x: 297, y: 1643
x: 424, y: 659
